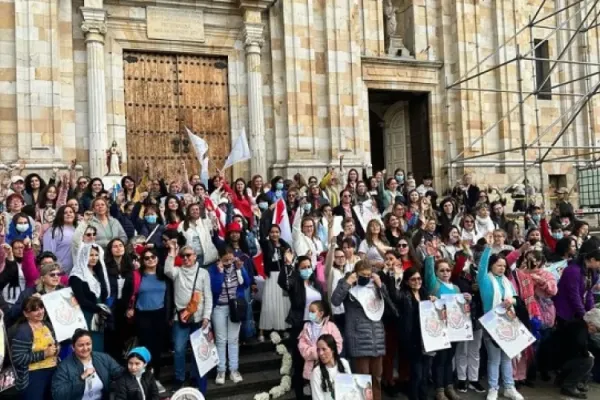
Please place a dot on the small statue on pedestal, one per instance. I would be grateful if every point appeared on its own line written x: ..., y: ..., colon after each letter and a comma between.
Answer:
x: 113, y: 160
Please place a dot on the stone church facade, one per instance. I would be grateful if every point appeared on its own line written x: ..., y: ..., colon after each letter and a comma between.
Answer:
x: 309, y: 80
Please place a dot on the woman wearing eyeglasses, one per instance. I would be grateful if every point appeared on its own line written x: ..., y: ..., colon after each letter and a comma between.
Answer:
x: 84, y: 233
x: 150, y: 307
x: 469, y: 232
x: 58, y: 239
x: 437, y: 282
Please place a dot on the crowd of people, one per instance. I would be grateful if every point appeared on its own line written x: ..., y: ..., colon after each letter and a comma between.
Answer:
x: 152, y: 260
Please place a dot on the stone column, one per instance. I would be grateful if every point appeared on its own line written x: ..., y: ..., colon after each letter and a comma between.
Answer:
x: 253, y: 40
x: 94, y: 28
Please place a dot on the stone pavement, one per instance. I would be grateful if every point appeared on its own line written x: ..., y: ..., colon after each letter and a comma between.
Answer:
x: 542, y: 391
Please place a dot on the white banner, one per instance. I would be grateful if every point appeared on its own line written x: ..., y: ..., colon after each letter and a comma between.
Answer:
x: 353, y: 387
x: 205, y: 350
x: 240, y: 151
x: 64, y: 313
x: 458, y: 318
x: 507, y: 331
x: 433, y: 327
x: 199, y: 144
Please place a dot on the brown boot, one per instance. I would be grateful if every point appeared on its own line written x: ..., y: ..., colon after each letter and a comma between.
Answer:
x: 440, y: 395
x: 451, y: 394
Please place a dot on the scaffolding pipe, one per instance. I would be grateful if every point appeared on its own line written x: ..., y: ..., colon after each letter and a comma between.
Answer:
x: 485, y: 71
x: 522, y: 123
x: 573, y: 81
x: 562, y: 61
x: 536, y: 111
x: 557, y: 12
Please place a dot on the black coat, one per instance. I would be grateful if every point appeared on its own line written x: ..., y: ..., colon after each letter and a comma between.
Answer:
x: 409, y: 323
x: 271, y: 263
x: 359, y: 231
x: 566, y: 343
x: 127, y: 388
x: 294, y: 285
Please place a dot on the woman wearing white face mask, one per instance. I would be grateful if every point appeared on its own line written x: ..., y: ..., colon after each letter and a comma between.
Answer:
x: 137, y: 379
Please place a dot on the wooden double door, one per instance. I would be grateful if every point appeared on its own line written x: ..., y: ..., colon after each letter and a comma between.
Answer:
x: 164, y: 94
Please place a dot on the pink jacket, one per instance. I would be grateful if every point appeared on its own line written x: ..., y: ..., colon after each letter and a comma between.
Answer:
x: 308, y: 344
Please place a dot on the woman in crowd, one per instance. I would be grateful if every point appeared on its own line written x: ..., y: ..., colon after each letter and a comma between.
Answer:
x: 193, y: 306
x: 20, y: 228
x: 275, y: 302
x: 228, y: 279
x: 450, y: 242
x: 469, y: 232
x: 34, y: 352
x: 151, y: 308
x: 150, y: 226
x: 85, y: 374
x: 107, y: 227
x: 496, y: 291
x: 277, y: 190
x: 119, y: 266
x: 304, y: 235
x: 52, y: 196
x: 173, y: 212
x: 130, y: 190
x: 49, y: 281
x: 94, y: 188
x: 34, y: 184
x: 242, y: 201
x: 197, y: 232
x: 437, y: 282
x: 256, y: 187
x: 393, y: 230
x: 303, y: 289
x: 375, y: 245
x: 59, y: 237
x: 365, y: 335
x: 407, y: 301
x: 389, y: 194
x: 483, y: 221
x: 20, y: 271
x: 89, y: 281
x: 336, y: 268
x: 330, y: 364
x: 499, y: 242
x: 138, y: 380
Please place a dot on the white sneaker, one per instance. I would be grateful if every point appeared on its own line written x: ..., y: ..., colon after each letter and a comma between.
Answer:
x: 261, y: 339
x: 512, y: 394
x: 492, y: 394
x: 236, y: 377
x: 160, y: 387
x: 220, y: 378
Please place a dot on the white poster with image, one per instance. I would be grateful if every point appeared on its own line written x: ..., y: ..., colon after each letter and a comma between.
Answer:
x: 507, y: 331
x: 366, y: 212
x: 64, y: 313
x: 205, y: 350
x: 353, y: 387
x: 433, y: 326
x: 458, y: 317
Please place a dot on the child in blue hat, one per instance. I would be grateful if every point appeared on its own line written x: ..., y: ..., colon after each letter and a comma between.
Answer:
x: 137, y: 382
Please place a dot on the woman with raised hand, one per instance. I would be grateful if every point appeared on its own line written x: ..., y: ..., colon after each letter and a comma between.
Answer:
x: 58, y: 239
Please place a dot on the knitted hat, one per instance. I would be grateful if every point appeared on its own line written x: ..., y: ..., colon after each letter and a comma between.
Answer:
x: 142, y: 352
x: 234, y: 227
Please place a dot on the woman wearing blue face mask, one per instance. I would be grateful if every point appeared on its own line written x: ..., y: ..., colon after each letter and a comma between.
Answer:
x: 365, y: 298
x: 302, y: 289
x: 151, y: 226
x: 19, y: 228
x: 277, y: 190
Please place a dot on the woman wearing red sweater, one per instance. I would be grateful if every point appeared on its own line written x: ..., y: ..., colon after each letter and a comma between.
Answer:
x: 242, y: 201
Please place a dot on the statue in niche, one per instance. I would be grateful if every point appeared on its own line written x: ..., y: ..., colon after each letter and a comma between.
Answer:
x: 113, y: 159
x: 391, y: 23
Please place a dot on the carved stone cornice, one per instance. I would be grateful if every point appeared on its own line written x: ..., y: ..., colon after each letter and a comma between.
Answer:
x: 94, y: 27
x: 253, y: 34
x: 258, y: 5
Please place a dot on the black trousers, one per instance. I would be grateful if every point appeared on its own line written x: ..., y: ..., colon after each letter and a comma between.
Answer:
x: 151, y: 327
x: 442, y: 368
x: 418, y: 388
x: 297, y: 363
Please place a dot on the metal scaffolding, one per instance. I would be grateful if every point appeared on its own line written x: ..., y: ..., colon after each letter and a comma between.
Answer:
x: 573, y: 22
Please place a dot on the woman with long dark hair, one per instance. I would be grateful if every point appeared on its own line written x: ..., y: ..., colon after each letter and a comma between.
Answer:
x: 34, y: 184
x: 173, y: 212
x: 151, y: 307
x: 59, y: 237
x: 52, y: 196
x: 322, y: 379
x: 120, y: 267
x: 94, y: 187
x: 242, y: 201
x: 375, y: 245
x: 130, y: 189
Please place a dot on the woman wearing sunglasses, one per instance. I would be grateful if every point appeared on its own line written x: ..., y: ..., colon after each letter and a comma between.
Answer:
x: 150, y: 307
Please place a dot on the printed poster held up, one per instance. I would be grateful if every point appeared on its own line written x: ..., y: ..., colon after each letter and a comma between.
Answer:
x: 458, y: 318
x: 205, y: 350
x: 353, y: 387
x: 64, y: 313
x: 507, y: 331
x: 433, y: 326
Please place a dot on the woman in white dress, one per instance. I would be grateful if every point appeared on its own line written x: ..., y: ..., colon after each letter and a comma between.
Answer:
x: 275, y: 303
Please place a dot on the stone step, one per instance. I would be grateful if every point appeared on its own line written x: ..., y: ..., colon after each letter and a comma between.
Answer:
x: 255, y: 382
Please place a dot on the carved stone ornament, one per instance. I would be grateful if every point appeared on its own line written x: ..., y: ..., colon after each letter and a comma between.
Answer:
x: 253, y: 35
x: 98, y: 27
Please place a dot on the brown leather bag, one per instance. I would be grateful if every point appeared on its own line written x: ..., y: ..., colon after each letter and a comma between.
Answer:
x: 190, y: 309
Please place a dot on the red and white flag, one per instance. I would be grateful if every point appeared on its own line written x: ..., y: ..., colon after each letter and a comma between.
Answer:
x: 210, y: 207
x: 281, y: 218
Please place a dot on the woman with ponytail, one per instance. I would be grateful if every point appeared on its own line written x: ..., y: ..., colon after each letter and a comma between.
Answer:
x: 322, y: 379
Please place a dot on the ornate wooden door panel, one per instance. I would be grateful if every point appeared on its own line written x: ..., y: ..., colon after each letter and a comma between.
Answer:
x: 204, y: 106
x: 163, y: 95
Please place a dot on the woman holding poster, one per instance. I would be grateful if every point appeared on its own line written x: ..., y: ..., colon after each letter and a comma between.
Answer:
x: 437, y: 281
x: 496, y: 290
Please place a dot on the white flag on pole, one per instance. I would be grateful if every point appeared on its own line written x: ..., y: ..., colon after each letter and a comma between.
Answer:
x: 240, y: 151
x: 199, y: 144
x: 204, y: 173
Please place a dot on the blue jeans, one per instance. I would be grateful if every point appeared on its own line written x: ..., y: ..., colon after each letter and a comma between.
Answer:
x: 181, y: 336
x: 227, y: 335
x: 498, y: 362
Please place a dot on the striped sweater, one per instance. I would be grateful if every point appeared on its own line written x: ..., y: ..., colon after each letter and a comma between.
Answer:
x: 22, y: 354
